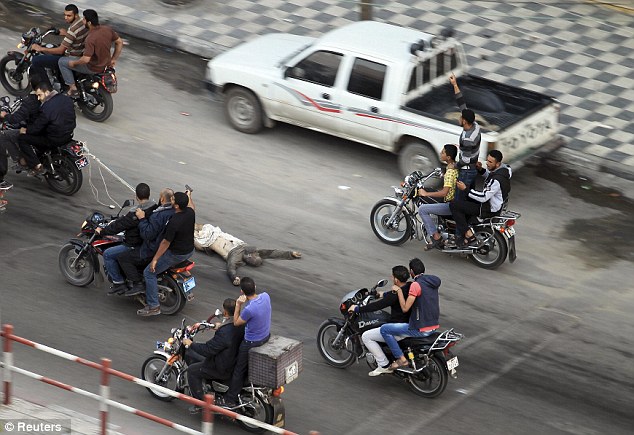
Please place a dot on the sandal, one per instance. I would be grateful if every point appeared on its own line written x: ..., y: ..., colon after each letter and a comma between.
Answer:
x: 467, y: 241
x: 398, y: 364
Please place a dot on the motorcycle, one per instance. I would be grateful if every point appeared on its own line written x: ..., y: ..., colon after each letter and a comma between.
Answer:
x: 94, y: 97
x: 167, y: 367
x: 79, y: 264
x: 63, y: 164
x: 430, y: 360
x: 395, y: 220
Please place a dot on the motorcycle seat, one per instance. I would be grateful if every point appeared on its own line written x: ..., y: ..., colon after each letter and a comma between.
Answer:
x: 417, y: 341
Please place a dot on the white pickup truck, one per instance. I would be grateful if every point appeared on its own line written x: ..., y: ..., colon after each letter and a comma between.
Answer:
x: 380, y: 85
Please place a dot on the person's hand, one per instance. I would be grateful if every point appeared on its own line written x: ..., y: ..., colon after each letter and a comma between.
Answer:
x: 395, y: 288
x: 242, y: 299
x: 351, y: 308
x: 153, y: 266
x: 187, y: 342
x: 452, y: 79
x: 23, y: 130
x: 37, y: 47
x: 422, y: 192
x: 72, y: 64
x: 2, y: 114
x: 140, y: 214
x: 98, y: 230
x: 216, y: 325
x: 460, y: 185
x: 113, y: 62
x: 478, y: 165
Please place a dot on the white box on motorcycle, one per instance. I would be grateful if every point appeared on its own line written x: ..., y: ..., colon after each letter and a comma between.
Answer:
x: 275, y: 363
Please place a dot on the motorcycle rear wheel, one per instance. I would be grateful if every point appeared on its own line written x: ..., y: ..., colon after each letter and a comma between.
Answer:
x: 83, y: 273
x: 493, y: 253
x: 258, y: 410
x: 19, y: 88
x: 150, y: 370
x: 431, y: 381
x: 337, y: 356
x: 99, y: 107
x: 68, y: 177
x: 396, y: 234
x: 170, y: 296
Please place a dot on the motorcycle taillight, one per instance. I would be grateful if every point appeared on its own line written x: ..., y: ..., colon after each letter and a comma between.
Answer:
x: 510, y: 222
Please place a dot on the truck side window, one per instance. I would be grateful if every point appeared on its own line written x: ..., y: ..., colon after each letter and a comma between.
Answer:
x: 320, y: 67
x: 367, y: 79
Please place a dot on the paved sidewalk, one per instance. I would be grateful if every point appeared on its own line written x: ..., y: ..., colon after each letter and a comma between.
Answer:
x: 579, y: 52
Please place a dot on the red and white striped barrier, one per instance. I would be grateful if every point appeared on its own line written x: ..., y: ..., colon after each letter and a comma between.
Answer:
x: 103, y: 398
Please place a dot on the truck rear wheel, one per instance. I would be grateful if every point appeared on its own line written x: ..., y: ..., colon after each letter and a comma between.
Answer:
x: 243, y: 110
x: 417, y: 156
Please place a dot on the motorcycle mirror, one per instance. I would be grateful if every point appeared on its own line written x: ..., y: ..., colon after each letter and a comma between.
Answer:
x: 381, y: 283
x: 126, y: 203
x: 216, y: 313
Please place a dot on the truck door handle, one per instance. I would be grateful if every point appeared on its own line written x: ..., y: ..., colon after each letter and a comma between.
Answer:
x: 374, y: 109
x: 326, y: 96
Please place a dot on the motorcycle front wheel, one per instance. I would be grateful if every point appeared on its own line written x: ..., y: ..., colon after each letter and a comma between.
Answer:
x: 151, y: 369
x: 14, y: 81
x: 431, y: 381
x: 170, y: 295
x: 67, y: 178
x: 340, y: 355
x: 257, y: 409
x: 82, y: 273
x: 395, y: 233
x: 98, y: 105
x: 493, y: 251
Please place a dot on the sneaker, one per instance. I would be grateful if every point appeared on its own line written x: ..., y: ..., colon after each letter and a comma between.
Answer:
x: 147, y: 311
x: 5, y: 185
x: 193, y: 410
x: 136, y: 289
x: 117, y: 289
x: 380, y: 370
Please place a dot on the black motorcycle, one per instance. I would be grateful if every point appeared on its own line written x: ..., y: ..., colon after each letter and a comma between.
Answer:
x: 430, y: 359
x: 395, y: 220
x: 94, y: 96
x: 63, y: 164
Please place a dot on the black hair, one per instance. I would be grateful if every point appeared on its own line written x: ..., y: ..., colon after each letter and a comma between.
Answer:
x: 467, y: 114
x: 451, y: 151
x: 497, y: 155
x: 34, y: 79
x: 72, y: 8
x: 91, y: 16
x: 229, y: 305
x: 401, y: 273
x: 142, y: 191
x: 181, y: 200
x: 247, y: 285
x: 417, y: 266
x: 43, y: 86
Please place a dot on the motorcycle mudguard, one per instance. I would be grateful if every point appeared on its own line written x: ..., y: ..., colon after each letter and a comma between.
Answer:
x: 512, y: 250
x: 279, y: 414
x: 17, y: 55
x: 338, y: 321
x: 162, y: 353
x: 78, y: 243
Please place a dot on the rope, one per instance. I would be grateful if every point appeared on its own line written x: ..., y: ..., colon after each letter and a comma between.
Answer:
x: 101, y: 165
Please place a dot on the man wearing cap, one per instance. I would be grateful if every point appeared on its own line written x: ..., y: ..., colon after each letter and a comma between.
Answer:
x: 469, y: 142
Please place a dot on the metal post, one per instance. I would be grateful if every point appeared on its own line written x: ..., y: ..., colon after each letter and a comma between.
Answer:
x: 366, y: 9
x: 7, y: 331
x: 105, y: 394
x: 208, y: 415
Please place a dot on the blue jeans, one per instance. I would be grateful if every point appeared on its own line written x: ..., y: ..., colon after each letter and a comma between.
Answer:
x: 426, y: 210
x: 467, y: 176
x: 390, y: 330
x: 110, y: 256
x: 166, y: 261
x: 67, y: 71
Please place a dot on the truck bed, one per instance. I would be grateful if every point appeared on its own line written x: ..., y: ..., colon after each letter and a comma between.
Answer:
x: 497, y: 106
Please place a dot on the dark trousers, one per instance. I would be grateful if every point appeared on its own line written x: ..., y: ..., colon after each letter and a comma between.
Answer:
x: 240, y: 369
x: 29, y: 143
x: 462, y: 210
x: 43, y: 61
x: 8, y: 144
x: 467, y: 176
x: 131, y: 264
x: 196, y: 375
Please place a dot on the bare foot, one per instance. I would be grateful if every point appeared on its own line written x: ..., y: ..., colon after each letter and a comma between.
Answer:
x: 296, y: 254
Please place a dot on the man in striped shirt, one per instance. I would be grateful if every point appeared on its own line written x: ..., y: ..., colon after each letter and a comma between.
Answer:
x: 72, y: 45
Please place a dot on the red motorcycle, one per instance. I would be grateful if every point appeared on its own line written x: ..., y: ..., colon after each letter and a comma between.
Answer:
x: 79, y: 263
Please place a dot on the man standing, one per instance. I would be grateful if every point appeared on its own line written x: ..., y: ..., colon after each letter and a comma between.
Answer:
x: 128, y: 223
x: 177, y: 245
x: 220, y: 353
x: 96, y: 57
x: 469, y: 141
x: 254, y: 311
x: 72, y: 45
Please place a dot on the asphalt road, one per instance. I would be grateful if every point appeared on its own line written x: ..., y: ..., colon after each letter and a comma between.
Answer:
x: 549, y: 338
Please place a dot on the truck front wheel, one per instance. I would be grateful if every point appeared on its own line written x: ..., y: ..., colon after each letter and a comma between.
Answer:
x: 243, y: 110
x: 417, y: 156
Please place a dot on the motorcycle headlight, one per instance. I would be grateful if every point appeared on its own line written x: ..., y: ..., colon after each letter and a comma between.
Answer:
x: 95, y: 85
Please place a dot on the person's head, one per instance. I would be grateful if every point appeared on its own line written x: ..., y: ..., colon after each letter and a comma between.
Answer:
x: 416, y: 266
x: 166, y: 196
x: 247, y: 285
x: 91, y: 19
x: 467, y: 118
x: 400, y: 274
x: 229, y: 307
x: 180, y: 201
x: 42, y: 89
x: 494, y: 160
x: 71, y: 13
x: 34, y: 79
x: 142, y: 192
x: 449, y: 153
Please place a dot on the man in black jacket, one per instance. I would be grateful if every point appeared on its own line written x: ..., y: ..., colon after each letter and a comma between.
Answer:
x: 371, y: 337
x: 220, y: 353
x: 129, y: 224
x: 25, y: 114
x: 53, y: 127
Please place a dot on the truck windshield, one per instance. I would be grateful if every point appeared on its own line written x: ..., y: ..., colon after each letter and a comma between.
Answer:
x: 438, y: 65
